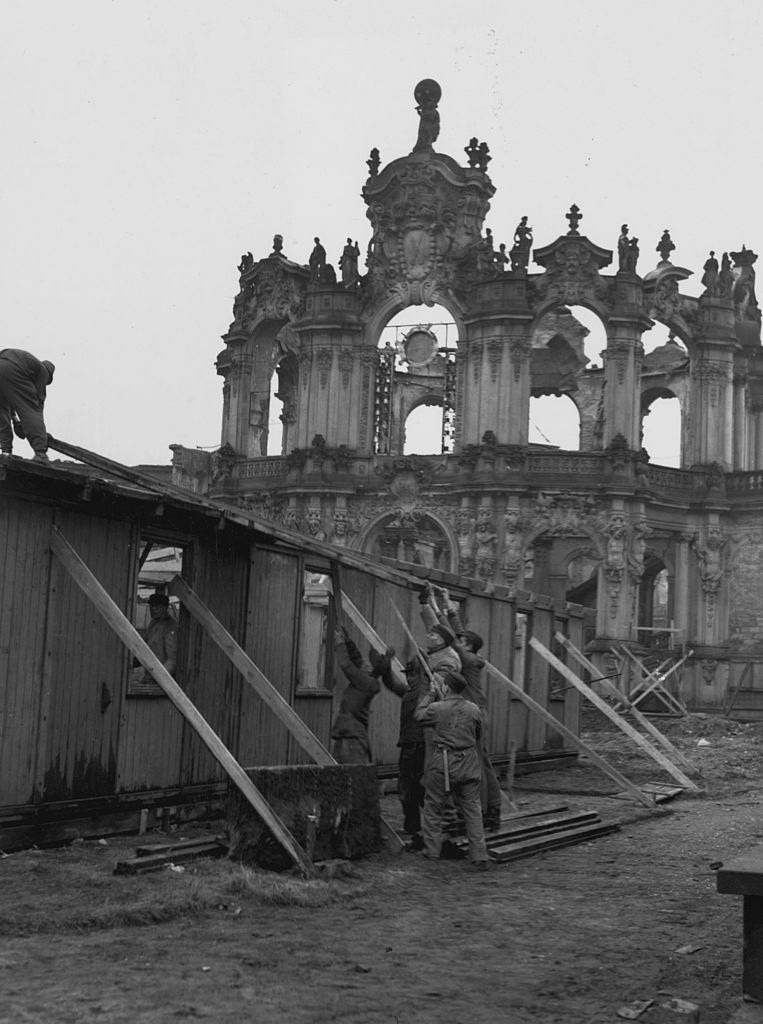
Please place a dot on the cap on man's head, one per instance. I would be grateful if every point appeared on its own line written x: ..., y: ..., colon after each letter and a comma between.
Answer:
x: 442, y: 631
x: 159, y: 599
x: 455, y: 681
x: 474, y: 640
x: 50, y: 367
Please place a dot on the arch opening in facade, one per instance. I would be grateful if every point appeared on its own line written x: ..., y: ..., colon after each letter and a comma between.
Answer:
x: 415, y: 538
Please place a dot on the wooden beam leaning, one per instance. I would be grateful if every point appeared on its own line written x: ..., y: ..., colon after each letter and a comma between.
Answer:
x: 260, y: 683
x: 569, y: 735
x: 618, y: 695
x: 656, y: 685
x: 127, y: 633
x: 632, y: 734
x: 370, y: 634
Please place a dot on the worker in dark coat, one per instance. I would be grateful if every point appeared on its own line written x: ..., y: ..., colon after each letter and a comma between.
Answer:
x: 350, y: 729
x: 410, y: 767
x: 23, y: 382
x: 455, y: 767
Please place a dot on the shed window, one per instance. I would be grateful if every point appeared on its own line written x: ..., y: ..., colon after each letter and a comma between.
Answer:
x: 314, y: 627
x: 158, y: 562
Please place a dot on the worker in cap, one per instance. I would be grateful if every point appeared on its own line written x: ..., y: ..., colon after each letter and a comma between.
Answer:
x: 23, y: 383
x: 455, y: 767
x: 467, y: 644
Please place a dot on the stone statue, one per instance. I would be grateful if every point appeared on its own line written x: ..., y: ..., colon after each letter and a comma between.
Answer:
x: 486, y: 543
x: 743, y: 292
x: 348, y: 263
x: 313, y: 523
x: 485, y: 251
x: 501, y: 258
x: 623, y: 246
x: 665, y: 246
x: 277, y: 245
x: 709, y: 557
x: 317, y: 260
x: 427, y: 95
x: 710, y: 276
x: 725, y: 278
x: 520, y: 251
x: 247, y: 262
x: 615, y: 532
x: 472, y: 151
x: 373, y: 163
x: 483, y: 156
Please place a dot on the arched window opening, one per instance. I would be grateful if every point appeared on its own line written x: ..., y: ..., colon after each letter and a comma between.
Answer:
x: 423, y: 431
x: 655, y: 337
x: 661, y: 429
x: 655, y: 624
x: 595, y: 341
x: 417, y: 374
x: 415, y: 538
x: 275, y: 438
x: 555, y: 421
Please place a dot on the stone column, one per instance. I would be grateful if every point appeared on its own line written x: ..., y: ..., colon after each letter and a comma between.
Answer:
x: 712, y: 385
x: 740, y: 432
x: 622, y: 391
x: 332, y: 397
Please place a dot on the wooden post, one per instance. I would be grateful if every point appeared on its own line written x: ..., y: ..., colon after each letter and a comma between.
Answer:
x: 127, y: 633
x: 569, y: 735
x: 613, y: 716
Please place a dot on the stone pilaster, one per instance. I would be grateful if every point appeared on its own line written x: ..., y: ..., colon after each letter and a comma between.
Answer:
x: 712, y: 385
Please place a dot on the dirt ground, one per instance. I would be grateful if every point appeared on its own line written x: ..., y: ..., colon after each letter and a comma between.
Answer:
x: 566, y: 936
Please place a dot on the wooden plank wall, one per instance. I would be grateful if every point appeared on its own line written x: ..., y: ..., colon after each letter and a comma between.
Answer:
x: 220, y: 576
x: 24, y: 576
x: 88, y: 665
x: 272, y: 629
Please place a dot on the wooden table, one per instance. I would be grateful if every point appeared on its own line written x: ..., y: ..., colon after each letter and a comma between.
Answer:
x: 744, y: 877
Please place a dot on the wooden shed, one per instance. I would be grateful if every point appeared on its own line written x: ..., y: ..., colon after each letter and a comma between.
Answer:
x: 84, y: 748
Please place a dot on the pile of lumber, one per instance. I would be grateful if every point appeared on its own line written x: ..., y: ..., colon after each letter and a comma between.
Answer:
x: 527, y: 833
x: 154, y: 856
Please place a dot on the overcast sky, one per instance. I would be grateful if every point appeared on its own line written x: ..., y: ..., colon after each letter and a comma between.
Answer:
x: 148, y: 144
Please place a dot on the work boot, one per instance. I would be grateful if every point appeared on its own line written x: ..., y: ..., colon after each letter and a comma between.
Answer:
x: 40, y: 457
x: 492, y: 819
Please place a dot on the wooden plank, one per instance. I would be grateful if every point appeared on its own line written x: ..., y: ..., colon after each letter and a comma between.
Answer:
x: 569, y: 735
x: 370, y: 634
x: 251, y: 673
x: 618, y: 695
x: 124, y: 629
x: 554, y: 842
x: 657, y: 682
x: 612, y: 715
x: 175, y: 855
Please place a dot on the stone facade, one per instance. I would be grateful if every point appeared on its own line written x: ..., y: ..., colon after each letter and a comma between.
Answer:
x: 601, y: 524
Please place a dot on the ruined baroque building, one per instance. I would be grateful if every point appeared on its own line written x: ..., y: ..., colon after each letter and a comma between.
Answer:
x: 649, y: 549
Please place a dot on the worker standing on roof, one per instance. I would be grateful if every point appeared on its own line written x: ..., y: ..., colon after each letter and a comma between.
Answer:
x: 23, y: 380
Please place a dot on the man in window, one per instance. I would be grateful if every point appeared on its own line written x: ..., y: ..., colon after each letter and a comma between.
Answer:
x: 161, y: 636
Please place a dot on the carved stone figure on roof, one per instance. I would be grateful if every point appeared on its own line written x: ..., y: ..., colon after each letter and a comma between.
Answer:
x: 743, y: 294
x: 710, y: 276
x: 501, y: 258
x: 427, y: 95
x: 278, y: 246
x: 247, y: 262
x: 317, y: 260
x: 483, y: 156
x: 472, y: 151
x: 348, y: 263
x: 373, y: 163
x: 725, y: 278
x: 665, y: 246
x: 485, y: 251
x: 623, y: 244
x: 523, y: 240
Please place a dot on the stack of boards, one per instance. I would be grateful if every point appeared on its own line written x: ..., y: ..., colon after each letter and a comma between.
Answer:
x: 527, y: 833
